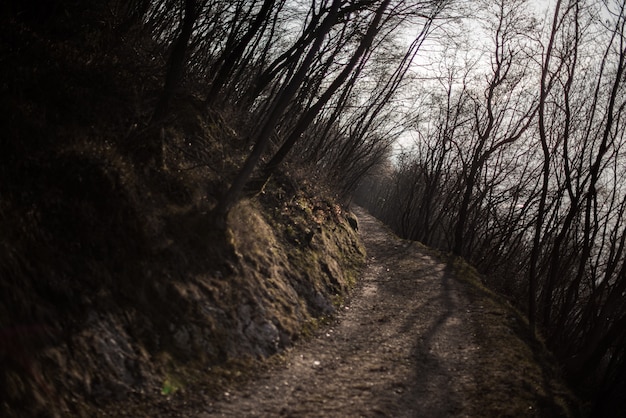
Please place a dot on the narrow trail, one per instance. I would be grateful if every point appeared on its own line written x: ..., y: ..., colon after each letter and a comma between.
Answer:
x: 406, y: 345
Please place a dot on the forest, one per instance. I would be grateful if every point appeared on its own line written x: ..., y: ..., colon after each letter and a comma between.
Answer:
x: 519, y: 168
x: 491, y: 130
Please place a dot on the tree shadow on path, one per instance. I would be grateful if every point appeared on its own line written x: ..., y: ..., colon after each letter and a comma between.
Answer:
x: 424, y: 300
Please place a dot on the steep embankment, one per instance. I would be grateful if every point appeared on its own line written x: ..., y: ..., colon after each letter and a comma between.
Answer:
x: 183, y: 317
x: 114, y: 284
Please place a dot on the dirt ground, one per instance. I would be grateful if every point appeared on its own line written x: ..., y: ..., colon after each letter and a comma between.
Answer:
x: 410, y: 342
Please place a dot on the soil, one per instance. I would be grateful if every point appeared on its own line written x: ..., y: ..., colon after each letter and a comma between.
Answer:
x: 413, y: 341
x: 419, y: 337
x: 397, y: 349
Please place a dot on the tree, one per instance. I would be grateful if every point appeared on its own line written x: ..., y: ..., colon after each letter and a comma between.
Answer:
x: 279, y: 105
x: 502, y: 115
x: 235, y: 50
x: 523, y: 176
x: 548, y: 80
x: 177, y: 60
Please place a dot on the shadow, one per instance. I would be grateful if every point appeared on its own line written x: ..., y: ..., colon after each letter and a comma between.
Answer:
x: 422, y: 302
x: 428, y: 393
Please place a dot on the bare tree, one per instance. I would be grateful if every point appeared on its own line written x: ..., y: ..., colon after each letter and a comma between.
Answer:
x: 177, y: 62
x: 548, y: 80
x: 502, y: 115
x: 279, y: 105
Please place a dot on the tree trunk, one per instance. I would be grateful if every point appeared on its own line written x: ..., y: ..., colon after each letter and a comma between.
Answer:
x: 235, y: 54
x: 280, y: 104
x: 308, y: 117
x: 176, y: 62
x: 173, y: 77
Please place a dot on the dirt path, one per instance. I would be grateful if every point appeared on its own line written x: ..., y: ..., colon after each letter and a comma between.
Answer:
x: 413, y: 342
x: 405, y: 346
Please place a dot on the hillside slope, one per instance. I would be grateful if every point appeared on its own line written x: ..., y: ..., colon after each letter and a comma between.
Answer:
x: 114, y: 283
x: 106, y: 296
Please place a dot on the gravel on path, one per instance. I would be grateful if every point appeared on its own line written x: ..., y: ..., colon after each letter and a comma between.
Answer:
x: 403, y: 346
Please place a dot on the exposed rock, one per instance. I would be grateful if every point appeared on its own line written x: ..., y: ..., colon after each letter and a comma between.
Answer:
x: 352, y: 220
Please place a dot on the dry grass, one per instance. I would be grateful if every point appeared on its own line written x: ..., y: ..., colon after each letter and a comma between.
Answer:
x: 528, y: 382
